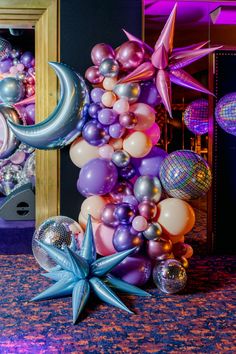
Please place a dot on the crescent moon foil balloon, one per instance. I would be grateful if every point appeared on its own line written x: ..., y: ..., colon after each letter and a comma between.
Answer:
x: 65, y: 123
x: 9, y: 140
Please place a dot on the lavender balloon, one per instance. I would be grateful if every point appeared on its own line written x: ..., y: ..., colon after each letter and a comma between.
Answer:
x: 116, y: 130
x: 95, y: 134
x: 134, y: 270
x: 5, y: 65
x: 97, y: 177
x: 94, y: 109
x: 108, y: 217
x: 107, y: 116
x: 30, y: 110
x: 125, y: 238
x: 96, y: 94
x: 150, y: 164
x: 26, y: 59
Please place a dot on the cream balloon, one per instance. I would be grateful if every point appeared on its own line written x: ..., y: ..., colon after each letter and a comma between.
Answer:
x: 81, y: 152
x: 176, y: 239
x: 137, y: 144
x: 176, y: 216
x: 94, y: 206
x: 145, y: 115
x: 116, y: 143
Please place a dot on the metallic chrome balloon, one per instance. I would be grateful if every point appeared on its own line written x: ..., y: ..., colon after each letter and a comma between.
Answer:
x: 10, y: 142
x: 170, y: 276
x: 66, y: 122
x: 120, y: 158
x: 11, y: 90
x: 131, y: 91
x: 147, y: 188
x: 153, y: 232
x: 109, y: 68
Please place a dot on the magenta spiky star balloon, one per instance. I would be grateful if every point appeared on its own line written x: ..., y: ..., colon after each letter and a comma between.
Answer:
x: 166, y: 63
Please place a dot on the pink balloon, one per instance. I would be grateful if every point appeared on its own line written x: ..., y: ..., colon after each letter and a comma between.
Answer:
x: 18, y: 157
x: 145, y: 115
x: 154, y: 133
x: 103, y: 239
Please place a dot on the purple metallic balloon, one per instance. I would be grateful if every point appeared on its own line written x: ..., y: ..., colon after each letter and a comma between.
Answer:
x: 159, y: 250
x: 125, y: 238
x: 108, y: 217
x: 26, y: 59
x: 127, y: 172
x: 149, y: 94
x: 122, y: 189
x: 150, y: 164
x: 107, y: 116
x: 134, y: 270
x: 96, y: 94
x: 100, y: 52
x: 30, y: 110
x: 93, y: 75
x: 147, y: 209
x: 5, y: 65
x: 130, y: 199
x: 95, y: 134
x: 130, y: 55
x: 125, y: 213
x: 116, y: 130
x: 97, y: 177
x: 94, y: 109
x: 128, y: 120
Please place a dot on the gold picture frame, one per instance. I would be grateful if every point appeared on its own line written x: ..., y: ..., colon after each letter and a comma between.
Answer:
x: 42, y: 15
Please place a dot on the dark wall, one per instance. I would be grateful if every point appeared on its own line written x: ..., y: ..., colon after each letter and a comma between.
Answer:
x: 224, y: 163
x: 84, y: 23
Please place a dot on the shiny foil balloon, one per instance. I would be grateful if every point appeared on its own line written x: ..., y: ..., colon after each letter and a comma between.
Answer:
x: 11, y: 90
x: 130, y: 91
x: 65, y: 123
x: 196, y: 116
x: 109, y: 68
x: 57, y: 231
x: 169, y: 276
x: 153, y: 231
x: 225, y: 113
x: 147, y: 188
x: 120, y: 158
x: 185, y: 175
x: 125, y: 238
x: 9, y: 141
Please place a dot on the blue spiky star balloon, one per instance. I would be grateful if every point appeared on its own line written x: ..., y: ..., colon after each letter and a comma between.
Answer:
x: 78, y: 272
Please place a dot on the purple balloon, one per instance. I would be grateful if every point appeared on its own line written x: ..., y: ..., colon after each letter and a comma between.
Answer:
x: 97, y: 177
x: 130, y: 199
x: 5, y: 65
x: 125, y: 213
x: 26, y: 59
x: 125, y: 238
x: 94, y: 109
x: 30, y: 110
x: 127, y: 172
x: 149, y: 94
x: 95, y: 134
x: 96, y: 94
x: 134, y: 270
x: 122, y: 189
x: 107, y: 116
x: 108, y: 217
x: 116, y: 130
x: 151, y: 163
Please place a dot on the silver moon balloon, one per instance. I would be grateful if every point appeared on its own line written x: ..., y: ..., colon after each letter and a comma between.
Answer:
x: 67, y: 120
x: 10, y: 142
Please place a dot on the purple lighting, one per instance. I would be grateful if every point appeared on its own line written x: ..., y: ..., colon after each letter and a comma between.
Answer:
x: 224, y: 15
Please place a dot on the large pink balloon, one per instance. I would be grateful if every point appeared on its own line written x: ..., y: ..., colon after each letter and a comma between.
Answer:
x: 103, y: 239
x: 176, y: 216
x: 154, y: 133
x: 145, y: 115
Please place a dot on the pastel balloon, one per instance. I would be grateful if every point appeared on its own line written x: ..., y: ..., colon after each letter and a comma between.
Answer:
x: 137, y: 144
x: 109, y: 83
x: 116, y: 130
x: 108, y: 99
x: 103, y: 239
x: 106, y: 151
x: 116, y: 143
x: 150, y: 165
x: 100, y: 52
x: 159, y: 249
x: 97, y: 177
x: 93, y: 206
x: 121, y: 105
x: 96, y: 94
x: 139, y: 223
x: 107, y: 116
x: 176, y: 216
x: 94, y: 109
x: 145, y: 115
x: 18, y: 157
x: 154, y: 133
x: 81, y: 152
x: 5, y: 65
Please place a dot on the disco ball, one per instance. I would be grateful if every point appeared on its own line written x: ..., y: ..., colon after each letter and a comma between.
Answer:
x: 57, y: 231
x: 196, y: 117
x: 10, y: 176
x: 185, y: 175
x: 225, y: 113
x: 5, y: 48
x: 29, y: 169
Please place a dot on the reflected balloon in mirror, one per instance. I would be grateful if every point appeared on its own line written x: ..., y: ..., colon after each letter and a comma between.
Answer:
x: 225, y: 113
x: 196, y: 116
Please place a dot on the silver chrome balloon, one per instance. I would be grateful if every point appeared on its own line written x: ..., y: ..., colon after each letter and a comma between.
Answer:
x: 11, y: 90
x: 131, y: 91
x: 109, y: 68
x: 147, y: 188
x: 65, y: 123
x: 10, y: 142
x: 120, y: 158
x: 153, y: 232
x: 170, y: 276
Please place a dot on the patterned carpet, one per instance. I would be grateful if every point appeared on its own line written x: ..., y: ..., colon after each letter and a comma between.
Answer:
x: 201, y: 320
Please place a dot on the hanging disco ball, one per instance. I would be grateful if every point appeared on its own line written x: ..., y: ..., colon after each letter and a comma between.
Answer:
x: 225, y: 113
x: 5, y: 48
x: 196, y: 117
x: 185, y: 175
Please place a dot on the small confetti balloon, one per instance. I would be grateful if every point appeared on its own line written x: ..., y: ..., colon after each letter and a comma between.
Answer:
x: 169, y: 276
x: 196, y: 117
x: 57, y: 231
x: 5, y: 48
x: 185, y: 175
x: 225, y: 113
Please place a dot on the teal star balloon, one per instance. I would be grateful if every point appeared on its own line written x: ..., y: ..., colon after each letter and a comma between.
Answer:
x: 78, y: 272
